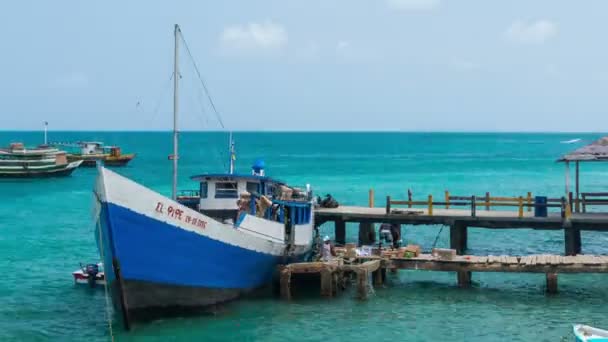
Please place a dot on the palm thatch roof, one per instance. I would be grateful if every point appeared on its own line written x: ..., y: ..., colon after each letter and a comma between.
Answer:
x: 596, y: 151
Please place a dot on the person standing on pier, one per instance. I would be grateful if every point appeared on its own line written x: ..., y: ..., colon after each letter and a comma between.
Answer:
x: 396, y: 235
x: 328, y: 251
x: 391, y: 234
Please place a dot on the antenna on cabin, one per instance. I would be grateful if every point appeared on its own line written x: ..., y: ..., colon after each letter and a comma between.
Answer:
x: 231, y: 153
x: 46, y: 125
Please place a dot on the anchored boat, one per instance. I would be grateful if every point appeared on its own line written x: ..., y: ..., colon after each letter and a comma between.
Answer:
x: 91, y: 274
x: 91, y: 152
x: 17, y: 161
x: 585, y: 333
x: 226, y: 238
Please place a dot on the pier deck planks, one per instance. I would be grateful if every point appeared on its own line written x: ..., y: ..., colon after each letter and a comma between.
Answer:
x: 483, y: 218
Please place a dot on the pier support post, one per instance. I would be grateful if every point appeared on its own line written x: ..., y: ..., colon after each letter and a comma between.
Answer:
x: 285, y: 283
x: 572, y: 240
x: 379, y: 276
x: 367, y: 234
x: 327, y: 283
x: 458, y: 237
x: 551, y: 283
x: 464, y: 279
x: 340, y: 232
x: 362, y: 284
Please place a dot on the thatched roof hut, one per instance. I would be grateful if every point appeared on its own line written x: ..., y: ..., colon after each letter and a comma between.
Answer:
x: 596, y: 151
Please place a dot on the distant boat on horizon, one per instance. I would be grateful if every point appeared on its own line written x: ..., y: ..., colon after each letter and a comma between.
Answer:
x: 17, y: 161
x: 91, y: 152
x: 572, y: 141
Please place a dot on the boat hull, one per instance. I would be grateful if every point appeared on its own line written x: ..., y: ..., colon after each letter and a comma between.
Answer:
x: 106, y: 159
x: 585, y: 333
x: 53, y: 171
x: 165, y: 266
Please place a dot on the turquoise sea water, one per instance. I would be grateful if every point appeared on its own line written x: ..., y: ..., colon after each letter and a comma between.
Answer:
x: 46, y: 230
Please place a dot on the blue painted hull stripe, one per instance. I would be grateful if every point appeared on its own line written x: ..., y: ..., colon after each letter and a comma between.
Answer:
x: 154, y: 251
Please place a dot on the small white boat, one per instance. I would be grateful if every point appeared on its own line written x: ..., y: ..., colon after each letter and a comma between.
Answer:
x: 585, y: 333
x: 91, y: 274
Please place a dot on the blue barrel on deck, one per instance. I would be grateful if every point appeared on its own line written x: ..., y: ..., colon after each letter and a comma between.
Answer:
x: 540, y: 206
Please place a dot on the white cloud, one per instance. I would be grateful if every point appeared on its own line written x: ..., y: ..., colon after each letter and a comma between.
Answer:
x: 413, y: 5
x: 71, y: 80
x: 536, y: 32
x: 265, y: 35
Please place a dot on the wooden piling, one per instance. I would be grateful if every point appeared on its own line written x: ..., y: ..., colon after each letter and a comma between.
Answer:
x: 577, y: 207
x: 430, y: 205
x: 340, y: 232
x: 409, y: 198
x: 520, y: 203
x: 572, y: 241
x: 363, y: 271
x: 367, y: 234
x: 447, y: 199
x: 327, y: 283
x: 371, y: 198
x: 285, y: 283
x: 458, y: 237
x: 464, y: 279
x: 473, y: 206
x: 529, y: 201
x: 378, y: 277
x: 551, y: 283
x: 487, y: 201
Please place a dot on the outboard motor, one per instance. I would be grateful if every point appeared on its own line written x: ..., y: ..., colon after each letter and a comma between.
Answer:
x: 92, y: 270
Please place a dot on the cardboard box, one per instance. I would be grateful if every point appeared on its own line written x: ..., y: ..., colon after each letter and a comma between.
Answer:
x: 443, y: 253
x: 415, y: 249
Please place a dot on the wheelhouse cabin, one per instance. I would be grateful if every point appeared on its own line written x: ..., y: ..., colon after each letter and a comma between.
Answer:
x: 226, y: 196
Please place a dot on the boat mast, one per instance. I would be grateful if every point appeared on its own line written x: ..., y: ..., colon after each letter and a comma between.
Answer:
x: 46, y: 124
x: 175, y: 109
x: 231, y: 153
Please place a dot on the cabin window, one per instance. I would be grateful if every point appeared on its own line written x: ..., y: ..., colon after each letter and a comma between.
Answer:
x: 204, y: 189
x: 252, y: 187
x: 226, y: 190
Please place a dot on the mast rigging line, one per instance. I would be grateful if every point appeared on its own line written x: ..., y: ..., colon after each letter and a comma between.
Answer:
x: 198, y: 74
x: 165, y: 89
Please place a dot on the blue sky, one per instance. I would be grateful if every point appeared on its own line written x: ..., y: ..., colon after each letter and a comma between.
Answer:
x: 411, y: 65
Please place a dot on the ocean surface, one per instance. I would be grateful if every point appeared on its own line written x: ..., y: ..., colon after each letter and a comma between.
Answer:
x: 46, y: 230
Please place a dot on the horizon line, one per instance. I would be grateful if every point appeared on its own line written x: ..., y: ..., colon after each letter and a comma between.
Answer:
x: 300, y: 131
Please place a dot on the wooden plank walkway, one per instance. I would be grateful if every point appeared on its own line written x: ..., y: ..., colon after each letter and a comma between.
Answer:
x: 332, y: 272
x: 460, y: 220
x: 484, y: 219
x: 543, y: 263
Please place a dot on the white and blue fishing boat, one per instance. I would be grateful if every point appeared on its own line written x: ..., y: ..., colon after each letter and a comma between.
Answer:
x: 585, y: 333
x: 166, y: 255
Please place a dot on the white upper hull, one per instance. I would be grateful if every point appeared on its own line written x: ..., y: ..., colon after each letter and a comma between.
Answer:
x: 255, y: 233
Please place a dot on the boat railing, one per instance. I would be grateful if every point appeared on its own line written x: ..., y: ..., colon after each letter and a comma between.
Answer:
x: 299, y: 211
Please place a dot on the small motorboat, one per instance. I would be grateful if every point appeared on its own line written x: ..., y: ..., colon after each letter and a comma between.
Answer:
x: 585, y: 333
x: 91, y: 274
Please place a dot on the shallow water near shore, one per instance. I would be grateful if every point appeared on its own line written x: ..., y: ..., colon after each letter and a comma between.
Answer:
x: 46, y: 230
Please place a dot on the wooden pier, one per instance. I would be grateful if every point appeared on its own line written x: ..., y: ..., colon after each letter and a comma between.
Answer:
x: 332, y: 275
x: 478, y: 215
x: 376, y: 266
